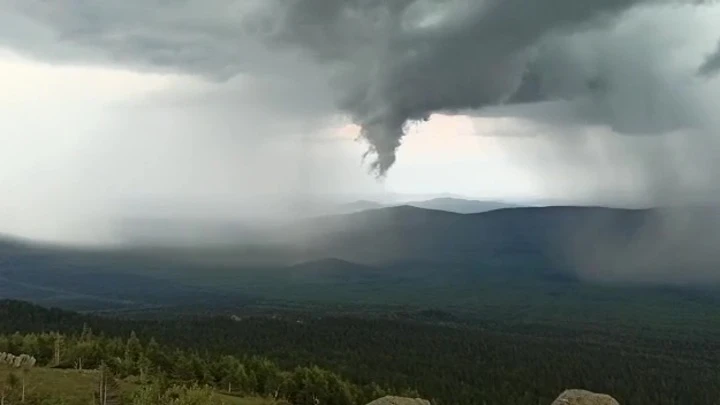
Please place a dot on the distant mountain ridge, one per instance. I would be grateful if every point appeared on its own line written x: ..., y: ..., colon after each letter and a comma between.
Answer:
x: 461, y: 206
x: 450, y: 204
x: 194, y: 231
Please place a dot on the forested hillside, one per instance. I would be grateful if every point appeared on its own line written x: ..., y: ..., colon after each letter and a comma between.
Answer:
x: 452, y: 364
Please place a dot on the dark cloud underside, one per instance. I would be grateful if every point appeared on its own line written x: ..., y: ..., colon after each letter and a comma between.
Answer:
x: 389, y: 63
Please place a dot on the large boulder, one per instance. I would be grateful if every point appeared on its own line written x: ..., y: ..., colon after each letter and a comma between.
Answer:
x: 390, y: 400
x: 582, y: 397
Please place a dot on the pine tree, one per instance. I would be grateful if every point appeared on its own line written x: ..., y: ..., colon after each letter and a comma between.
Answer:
x: 143, y: 366
x: 133, y: 351
x: 86, y: 334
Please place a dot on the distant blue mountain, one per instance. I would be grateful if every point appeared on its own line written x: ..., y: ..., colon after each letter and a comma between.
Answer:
x: 461, y: 206
x: 449, y: 204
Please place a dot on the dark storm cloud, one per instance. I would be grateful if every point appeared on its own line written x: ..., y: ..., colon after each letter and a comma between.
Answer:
x: 389, y: 62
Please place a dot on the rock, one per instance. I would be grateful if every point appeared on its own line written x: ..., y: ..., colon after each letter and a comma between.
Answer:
x: 569, y: 397
x: 582, y: 397
x: 390, y: 400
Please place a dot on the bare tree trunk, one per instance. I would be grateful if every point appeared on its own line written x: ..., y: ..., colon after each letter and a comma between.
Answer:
x: 101, y: 384
x: 22, y: 398
x: 56, y: 352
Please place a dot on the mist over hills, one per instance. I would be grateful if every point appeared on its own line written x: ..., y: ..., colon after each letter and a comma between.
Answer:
x: 183, y: 230
x: 401, y: 255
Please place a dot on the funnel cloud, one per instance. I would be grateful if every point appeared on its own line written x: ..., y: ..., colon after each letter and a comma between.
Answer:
x: 711, y: 64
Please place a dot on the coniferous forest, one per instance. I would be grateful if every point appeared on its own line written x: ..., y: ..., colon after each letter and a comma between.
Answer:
x: 352, y: 360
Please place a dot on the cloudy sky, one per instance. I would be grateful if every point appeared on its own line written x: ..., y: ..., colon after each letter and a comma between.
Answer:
x: 242, y: 107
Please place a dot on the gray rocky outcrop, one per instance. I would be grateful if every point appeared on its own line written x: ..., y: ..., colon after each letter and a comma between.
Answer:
x: 582, y: 397
x: 569, y: 397
x: 390, y: 400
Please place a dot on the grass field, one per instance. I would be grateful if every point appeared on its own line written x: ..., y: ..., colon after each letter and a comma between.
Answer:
x: 73, y: 387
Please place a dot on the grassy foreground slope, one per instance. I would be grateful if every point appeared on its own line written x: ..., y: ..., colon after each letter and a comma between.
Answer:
x: 65, y: 386
x: 70, y: 387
